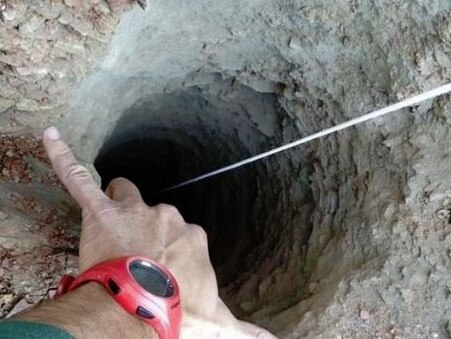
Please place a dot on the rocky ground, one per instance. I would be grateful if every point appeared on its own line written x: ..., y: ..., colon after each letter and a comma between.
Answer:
x: 354, y: 231
x: 39, y: 232
x: 46, y: 47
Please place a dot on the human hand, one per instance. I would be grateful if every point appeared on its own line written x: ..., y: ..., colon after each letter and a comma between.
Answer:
x: 118, y: 223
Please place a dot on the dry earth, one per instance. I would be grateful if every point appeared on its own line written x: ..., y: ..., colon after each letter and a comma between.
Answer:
x: 348, y: 237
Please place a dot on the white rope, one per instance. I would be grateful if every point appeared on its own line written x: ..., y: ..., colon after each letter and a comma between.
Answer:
x: 373, y: 115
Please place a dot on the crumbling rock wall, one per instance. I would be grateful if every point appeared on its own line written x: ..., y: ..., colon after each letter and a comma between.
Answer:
x: 377, y: 261
x: 45, y: 48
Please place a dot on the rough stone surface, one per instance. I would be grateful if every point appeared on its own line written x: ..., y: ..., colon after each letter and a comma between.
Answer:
x: 45, y: 48
x: 377, y: 262
x: 38, y: 226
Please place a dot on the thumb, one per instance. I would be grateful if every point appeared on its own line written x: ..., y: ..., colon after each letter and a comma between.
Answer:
x: 123, y: 190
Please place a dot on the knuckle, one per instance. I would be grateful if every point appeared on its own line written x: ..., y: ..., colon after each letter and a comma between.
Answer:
x: 138, y: 208
x: 75, y: 171
x: 200, y: 234
x: 165, y: 208
x: 61, y: 155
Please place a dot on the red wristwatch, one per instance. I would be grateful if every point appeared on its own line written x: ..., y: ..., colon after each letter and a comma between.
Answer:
x: 141, y: 286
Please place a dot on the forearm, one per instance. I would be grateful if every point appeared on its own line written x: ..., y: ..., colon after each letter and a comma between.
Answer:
x: 89, y: 312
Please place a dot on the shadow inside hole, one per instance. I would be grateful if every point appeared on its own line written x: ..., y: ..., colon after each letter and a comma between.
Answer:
x: 223, y: 205
x: 166, y: 138
x: 150, y: 164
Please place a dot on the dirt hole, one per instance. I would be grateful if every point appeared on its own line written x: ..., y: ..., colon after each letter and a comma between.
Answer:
x: 165, y: 139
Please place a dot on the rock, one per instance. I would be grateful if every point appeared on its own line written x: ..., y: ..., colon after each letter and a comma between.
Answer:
x: 16, y: 60
x: 51, y: 293
x: 5, y: 104
x: 73, y: 3
x: 390, y: 212
x: 102, y: 7
x: 31, y: 25
x: 28, y: 105
x: 35, y: 299
x: 5, y: 299
x: 37, y: 72
x: 49, y: 11
x: 364, y: 315
x: 14, y: 13
x: 7, y: 92
x: 83, y: 27
x: 38, y: 51
x: 295, y: 43
x: 68, y: 44
x: 19, y: 307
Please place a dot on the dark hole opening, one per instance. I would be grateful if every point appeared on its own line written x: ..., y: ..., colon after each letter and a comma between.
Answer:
x: 222, y: 205
x: 166, y: 139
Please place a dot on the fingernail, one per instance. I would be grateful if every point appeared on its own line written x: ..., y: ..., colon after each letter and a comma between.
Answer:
x: 52, y: 133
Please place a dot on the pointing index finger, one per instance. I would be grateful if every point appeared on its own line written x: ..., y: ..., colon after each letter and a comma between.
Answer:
x: 74, y: 176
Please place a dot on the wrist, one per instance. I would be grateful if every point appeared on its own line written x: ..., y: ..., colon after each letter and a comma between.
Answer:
x: 90, y: 311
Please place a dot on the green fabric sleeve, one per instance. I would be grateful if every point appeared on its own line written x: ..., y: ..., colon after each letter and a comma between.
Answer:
x: 15, y: 329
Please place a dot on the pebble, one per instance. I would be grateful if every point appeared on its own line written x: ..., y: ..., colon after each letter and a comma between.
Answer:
x: 364, y: 315
x: 295, y: 43
x: 51, y: 293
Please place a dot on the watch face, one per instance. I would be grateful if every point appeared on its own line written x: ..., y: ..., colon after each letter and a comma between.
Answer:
x: 151, y: 278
